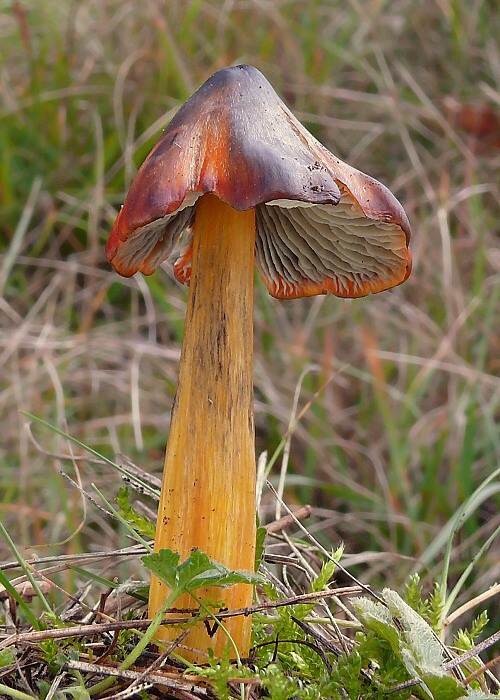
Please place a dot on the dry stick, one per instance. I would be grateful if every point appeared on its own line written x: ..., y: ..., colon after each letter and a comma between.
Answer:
x: 88, y: 497
x: 125, y: 694
x: 363, y: 586
x: 88, y: 630
x: 157, y: 663
x: 494, y: 590
x: 74, y: 631
x: 156, y: 678
x: 479, y: 671
x: 287, y: 520
x: 478, y: 649
x: 70, y: 559
x: 142, y: 475
x: 457, y: 661
x: 309, y: 629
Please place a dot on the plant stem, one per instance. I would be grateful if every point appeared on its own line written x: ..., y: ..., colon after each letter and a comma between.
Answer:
x: 16, y: 694
x: 208, y: 493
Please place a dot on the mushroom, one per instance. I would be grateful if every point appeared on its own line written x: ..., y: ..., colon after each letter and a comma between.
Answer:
x: 241, y: 181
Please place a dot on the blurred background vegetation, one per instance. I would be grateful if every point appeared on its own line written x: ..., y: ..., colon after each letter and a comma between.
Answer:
x: 403, y: 428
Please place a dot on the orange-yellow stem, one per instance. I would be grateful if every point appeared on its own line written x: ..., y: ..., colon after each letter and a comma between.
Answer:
x: 208, y: 493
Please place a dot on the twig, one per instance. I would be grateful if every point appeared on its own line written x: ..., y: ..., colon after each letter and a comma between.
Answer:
x: 309, y: 629
x: 157, y: 663
x: 494, y: 590
x: 479, y: 671
x: 84, y: 630
x: 150, y: 479
x: 80, y: 559
x: 156, y: 678
x: 457, y: 661
x: 478, y: 649
x: 76, y: 631
x: 287, y: 520
x: 363, y: 586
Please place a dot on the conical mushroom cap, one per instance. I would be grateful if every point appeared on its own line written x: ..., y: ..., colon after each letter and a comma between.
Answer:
x: 322, y: 226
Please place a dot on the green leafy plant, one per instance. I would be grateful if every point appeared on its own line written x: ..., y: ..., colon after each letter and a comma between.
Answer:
x: 197, y: 571
x: 395, y: 652
x: 412, y: 642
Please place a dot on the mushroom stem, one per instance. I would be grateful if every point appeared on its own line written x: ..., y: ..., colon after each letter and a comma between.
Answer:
x: 208, y: 493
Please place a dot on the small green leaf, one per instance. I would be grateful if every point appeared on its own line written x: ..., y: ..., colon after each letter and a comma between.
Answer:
x: 197, y: 571
x: 324, y: 576
x: 413, y: 595
x: 214, y: 577
x: 7, y: 657
x: 442, y: 687
x: 140, y: 523
x: 377, y: 618
x: 260, y: 540
x: 478, y: 625
x: 197, y: 566
x: 437, y: 601
x: 418, y: 635
x: 165, y: 565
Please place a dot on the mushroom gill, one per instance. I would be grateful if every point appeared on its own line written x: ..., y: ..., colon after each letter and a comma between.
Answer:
x: 304, y: 249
